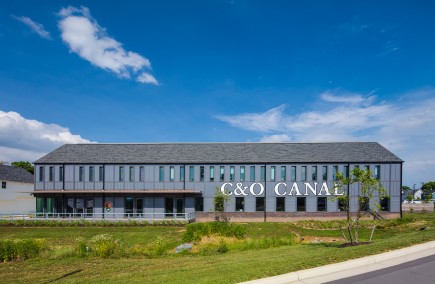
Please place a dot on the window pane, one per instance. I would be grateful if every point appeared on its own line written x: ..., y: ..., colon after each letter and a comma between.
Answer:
x: 263, y: 173
x: 199, y: 204
x: 280, y: 204
x: 321, y: 203
x: 293, y: 173
x: 191, y: 173
x: 240, y: 204
x: 81, y: 173
x: 161, y: 173
x: 272, y: 173
x: 314, y: 173
x: 141, y: 173
x: 377, y: 173
x: 231, y: 173
x: 171, y: 173
x: 131, y: 174
x: 50, y: 173
x: 222, y: 173
x: 182, y: 173
x: 61, y: 173
x: 325, y: 173
x: 91, y: 173
x: 41, y: 173
x: 300, y: 203
x: 334, y: 172
x: 242, y: 173
x: 101, y: 174
x: 346, y: 171
x: 252, y: 174
x: 283, y: 173
x: 259, y: 204
x: 121, y: 173
x: 201, y: 173
x: 304, y: 173
x: 211, y: 173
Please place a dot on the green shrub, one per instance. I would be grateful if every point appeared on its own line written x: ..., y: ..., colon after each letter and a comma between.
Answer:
x: 158, y: 247
x: 20, y: 249
x: 195, y: 231
x: 105, y: 245
x: 264, y: 243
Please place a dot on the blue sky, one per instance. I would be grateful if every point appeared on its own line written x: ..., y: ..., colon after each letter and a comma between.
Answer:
x: 178, y: 71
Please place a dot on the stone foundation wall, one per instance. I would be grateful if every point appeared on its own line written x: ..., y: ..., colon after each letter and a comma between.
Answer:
x: 283, y: 216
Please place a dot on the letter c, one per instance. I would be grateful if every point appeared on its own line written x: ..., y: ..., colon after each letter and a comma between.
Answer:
x: 223, y: 189
x: 277, y: 188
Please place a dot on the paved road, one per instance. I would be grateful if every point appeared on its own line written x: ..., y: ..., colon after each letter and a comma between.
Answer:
x: 419, y: 271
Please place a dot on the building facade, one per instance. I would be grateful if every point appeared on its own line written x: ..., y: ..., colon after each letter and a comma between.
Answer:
x: 15, y: 191
x: 273, y: 181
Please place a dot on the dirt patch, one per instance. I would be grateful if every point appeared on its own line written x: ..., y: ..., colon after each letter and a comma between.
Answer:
x: 354, y: 244
x: 316, y: 240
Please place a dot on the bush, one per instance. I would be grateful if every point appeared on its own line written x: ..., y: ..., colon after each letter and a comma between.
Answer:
x: 20, y: 249
x: 105, y: 245
x: 264, y: 243
x: 195, y: 231
x: 211, y: 249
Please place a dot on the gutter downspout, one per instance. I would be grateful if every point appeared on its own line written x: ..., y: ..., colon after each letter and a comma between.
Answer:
x: 401, y: 175
x: 265, y: 191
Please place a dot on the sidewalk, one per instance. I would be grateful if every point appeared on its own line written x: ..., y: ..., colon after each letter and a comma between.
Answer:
x: 352, y: 267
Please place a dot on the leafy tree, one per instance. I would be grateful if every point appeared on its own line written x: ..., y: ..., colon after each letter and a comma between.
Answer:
x: 369, y: 187
x: 409, y: 197
x: 25, y: 165
x: 406, y: 188
x: 220, y: 202
x: 430, y: 185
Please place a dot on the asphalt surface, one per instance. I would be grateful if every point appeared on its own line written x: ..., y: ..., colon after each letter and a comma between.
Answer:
x: 419, y: 271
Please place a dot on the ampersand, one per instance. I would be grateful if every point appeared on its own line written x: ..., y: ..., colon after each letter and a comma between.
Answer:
x: 240, y: 190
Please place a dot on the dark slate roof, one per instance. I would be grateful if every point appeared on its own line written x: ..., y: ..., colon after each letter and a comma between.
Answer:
x: 220, y: 153
x: 11, y: 173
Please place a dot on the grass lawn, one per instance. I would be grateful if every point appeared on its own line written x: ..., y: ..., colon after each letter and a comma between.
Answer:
x: 230, y: 267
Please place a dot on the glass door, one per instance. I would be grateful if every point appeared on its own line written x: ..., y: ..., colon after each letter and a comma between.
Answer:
x: 169, y: 207
x: 180, y: 207
x: 128, y: 207
x: 139, y: 207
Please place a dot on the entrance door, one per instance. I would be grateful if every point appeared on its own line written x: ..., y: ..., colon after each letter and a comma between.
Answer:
x: 180, y: 207
x: 169, y: 207
x: 128, y: 206
x: 139, y: 207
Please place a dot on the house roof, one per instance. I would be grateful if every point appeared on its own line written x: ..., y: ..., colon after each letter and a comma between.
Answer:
x: 11, y: 173
x: 217, y: 153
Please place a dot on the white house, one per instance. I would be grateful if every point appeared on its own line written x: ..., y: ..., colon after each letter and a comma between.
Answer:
x: 15, y: 191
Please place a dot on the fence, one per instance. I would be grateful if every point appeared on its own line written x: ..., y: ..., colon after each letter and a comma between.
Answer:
x: 150, y: 217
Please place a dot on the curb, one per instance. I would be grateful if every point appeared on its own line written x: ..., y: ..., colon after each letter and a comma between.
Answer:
x: 352, y: 267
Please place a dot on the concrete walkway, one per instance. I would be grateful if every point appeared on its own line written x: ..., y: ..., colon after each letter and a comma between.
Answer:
x: 353, y: 267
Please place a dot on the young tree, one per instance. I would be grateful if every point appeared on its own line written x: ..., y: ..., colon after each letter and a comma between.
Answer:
x: 25, y: 165
x: 220, y: 202
x: 368, y: 188
x: 430, y: 185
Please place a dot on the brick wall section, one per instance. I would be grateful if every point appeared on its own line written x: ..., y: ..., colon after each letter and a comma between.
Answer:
x: 284, y: 216
x: 428, y: 207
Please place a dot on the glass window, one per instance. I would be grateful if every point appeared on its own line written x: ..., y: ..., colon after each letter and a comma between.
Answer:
x: 41, y: 173
x: 263, y: 173
x: 259, y: 204
x: 211, y: 173
x: 240, y: 204
x: 283, y: 173
x: 191, y: 173
x: 272, y: 173
x: 300, y: 206
x: 131, y: 174
x: 367, y: 167
x: 325, y: 173
x: 61, y: 173
x: 232, y: 173
x: 171, y: 173
x: 293, y: 173
x: 101, y: 173
x: 377, y: 173
x: 385, y: 204
x: 242, y: 173
x: 321, y: 203
x: 346, y: 171
x: 222, y: 173
x: 121, y: 173
x: 199, y: 204
x: 304, y: 173
x: 364, y: 204
x: 314, y: 173
x: 161, y: 173
x: 4, y: 184
x: 50, y: 173
x: 182, y: 173
x: 201, y: 173
x: 334, y: 172
x: 280, y: 204
x: 81, y: 173
x: 342, y: 204
x: 91, y: 173
x: 252, y: 173
x: 141, y: 173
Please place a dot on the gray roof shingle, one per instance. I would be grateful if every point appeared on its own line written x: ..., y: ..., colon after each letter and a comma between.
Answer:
x: 11, y: 173
x: 216, y: 153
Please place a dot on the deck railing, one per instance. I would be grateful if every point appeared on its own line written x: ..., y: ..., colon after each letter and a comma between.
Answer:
x: 150, y: 217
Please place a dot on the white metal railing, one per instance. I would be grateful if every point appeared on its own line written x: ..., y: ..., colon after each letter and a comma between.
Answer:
x: 109, y: 216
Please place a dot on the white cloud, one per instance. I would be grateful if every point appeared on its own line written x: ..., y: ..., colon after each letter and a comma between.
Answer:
x: 405, y: 127
x: 34, y: 26
x: 81, y: 32
x: 26, y: 139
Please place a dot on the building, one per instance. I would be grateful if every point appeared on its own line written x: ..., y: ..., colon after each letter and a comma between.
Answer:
x: 276, y: 181
x: 15, y: 192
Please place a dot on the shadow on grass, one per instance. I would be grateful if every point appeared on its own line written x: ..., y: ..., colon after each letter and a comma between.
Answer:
x: 65, y: 275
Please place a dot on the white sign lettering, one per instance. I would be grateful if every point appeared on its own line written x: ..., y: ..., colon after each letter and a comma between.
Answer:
x: 281, y: 189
